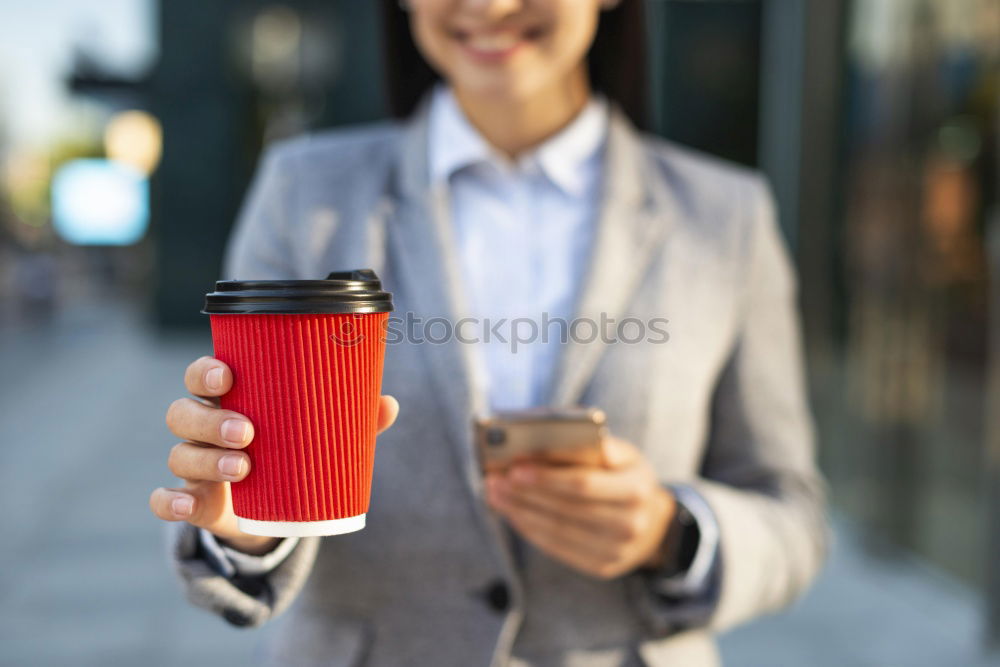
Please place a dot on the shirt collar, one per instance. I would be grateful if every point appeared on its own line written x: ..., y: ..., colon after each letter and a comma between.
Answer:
x: 566, y: 158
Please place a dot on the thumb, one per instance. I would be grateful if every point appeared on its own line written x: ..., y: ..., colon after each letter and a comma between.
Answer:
x: 618, y: 453
x: 388, y: 410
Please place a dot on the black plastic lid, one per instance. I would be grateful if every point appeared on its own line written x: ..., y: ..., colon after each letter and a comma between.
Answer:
x: 358, y: 291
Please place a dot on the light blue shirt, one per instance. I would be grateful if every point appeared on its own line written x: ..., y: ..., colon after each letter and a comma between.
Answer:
x: 524, y: 231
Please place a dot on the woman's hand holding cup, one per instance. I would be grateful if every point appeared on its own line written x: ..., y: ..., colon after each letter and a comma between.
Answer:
x: 210, y: 456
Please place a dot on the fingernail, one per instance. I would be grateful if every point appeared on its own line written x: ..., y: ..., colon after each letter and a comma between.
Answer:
x: 235, y: 431
x: 523, y: 474
x: 182, y: 505
x: 213, y: 379
x: 232, y: 465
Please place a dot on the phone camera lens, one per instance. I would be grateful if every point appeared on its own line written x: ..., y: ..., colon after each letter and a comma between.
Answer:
x: 495, y: 436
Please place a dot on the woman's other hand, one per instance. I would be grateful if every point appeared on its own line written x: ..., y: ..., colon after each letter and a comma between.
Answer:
x: 603, y: 521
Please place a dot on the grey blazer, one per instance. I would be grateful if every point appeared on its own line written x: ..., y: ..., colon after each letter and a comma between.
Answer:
x: 721, y: 407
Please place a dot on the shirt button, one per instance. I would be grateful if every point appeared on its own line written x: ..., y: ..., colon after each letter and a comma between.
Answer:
x: 498, y: 596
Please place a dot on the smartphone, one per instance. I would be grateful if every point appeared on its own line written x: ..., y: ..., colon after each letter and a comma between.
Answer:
x: 558, y: 436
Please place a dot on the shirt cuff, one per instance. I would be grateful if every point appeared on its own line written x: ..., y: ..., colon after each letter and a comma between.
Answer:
x: 229, y: 562
x: 697, y: 579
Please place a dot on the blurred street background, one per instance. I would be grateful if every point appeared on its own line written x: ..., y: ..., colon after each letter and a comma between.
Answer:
x: 129, y: 130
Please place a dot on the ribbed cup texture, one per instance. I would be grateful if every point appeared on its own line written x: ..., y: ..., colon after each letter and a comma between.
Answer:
x: 310, y: 384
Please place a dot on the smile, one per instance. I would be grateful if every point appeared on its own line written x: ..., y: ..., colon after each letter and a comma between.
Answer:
x: 494, y: 46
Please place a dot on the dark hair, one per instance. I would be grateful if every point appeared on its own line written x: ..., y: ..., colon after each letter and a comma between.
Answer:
x: 616, y: 60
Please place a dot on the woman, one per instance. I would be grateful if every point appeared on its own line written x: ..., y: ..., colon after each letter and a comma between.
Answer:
x: 516, y: 190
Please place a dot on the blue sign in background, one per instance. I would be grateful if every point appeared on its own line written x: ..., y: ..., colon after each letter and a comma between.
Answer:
x: 100, y: 202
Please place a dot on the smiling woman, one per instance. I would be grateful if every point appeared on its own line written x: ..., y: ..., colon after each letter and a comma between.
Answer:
x: 615, y: 50
x: 517, y: 187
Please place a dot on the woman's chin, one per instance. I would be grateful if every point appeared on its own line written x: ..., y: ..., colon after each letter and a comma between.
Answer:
x: 498, y: 87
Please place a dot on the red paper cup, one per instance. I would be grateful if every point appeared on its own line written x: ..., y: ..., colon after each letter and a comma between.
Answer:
x: 307, y: 362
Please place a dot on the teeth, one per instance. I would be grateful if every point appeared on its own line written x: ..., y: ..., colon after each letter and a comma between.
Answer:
x: 497, y: 42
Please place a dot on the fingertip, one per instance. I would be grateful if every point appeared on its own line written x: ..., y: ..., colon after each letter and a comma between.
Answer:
x: 524, y: 473
x: 392, y: 405
x: 213, y: 378
x: 618, y: 453
x: 234, y: 467
x: 182, y: 506
x: 490, y: 482
x: 236, y: 432
x: 171, y: 505
x: 218, y: 378
x: 494, y: 496
x: 152, y: 500
x: 388, y: 411
x: 208, y: 377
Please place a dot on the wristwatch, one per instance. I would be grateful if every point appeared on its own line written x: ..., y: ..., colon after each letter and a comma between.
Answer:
x: 681, y: 542
x: 690, y: 547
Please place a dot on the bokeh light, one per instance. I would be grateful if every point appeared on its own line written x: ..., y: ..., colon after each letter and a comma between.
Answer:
x: 134, y: 138
x: 100, y: 202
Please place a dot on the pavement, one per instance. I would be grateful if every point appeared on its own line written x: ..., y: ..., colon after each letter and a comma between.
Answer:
x: 84, y: 578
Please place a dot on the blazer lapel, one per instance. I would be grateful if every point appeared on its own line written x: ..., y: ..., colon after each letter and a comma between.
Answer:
x: 421, y: 243
x: 421, y: 240
x: 630, y: 231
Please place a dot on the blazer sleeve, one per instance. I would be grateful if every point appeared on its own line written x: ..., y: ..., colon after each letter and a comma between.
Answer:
x: 243, y: 601
x: 258, y: 248
x: 759, y: 475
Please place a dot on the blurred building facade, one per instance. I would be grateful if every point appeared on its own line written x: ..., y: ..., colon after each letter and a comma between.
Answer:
x: 909, y: 365
x: 232, y: 76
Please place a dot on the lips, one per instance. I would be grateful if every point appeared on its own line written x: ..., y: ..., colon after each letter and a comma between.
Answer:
x: 494, y: 45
